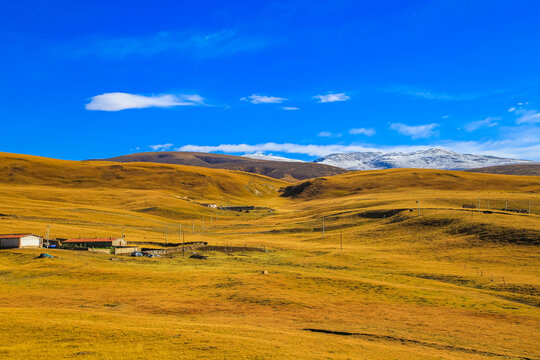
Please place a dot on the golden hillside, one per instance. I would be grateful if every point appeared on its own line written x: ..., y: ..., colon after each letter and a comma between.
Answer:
x: 185, y: 180
x: 362, y: 182
x: 382, y: 282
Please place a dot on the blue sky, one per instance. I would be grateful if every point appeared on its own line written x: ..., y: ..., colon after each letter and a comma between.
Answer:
x: 299, y: 79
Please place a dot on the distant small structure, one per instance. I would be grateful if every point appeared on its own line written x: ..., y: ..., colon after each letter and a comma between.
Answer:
x: 20, y: 241
x: 96, y: 242
x: 211, y: 206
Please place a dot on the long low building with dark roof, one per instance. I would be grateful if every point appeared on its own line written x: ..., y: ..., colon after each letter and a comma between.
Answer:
x: 14, y: 241
x: 96, y: 242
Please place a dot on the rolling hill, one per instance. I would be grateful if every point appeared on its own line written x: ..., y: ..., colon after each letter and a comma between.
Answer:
x: 377, y: 181
x: 288, y: 171
x: 513, y: 169
x: 181, y: 179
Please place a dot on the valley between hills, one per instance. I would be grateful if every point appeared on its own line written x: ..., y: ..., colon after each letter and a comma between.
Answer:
x: 382, y: 264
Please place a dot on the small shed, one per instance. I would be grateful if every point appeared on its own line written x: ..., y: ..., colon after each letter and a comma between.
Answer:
x: 14, y: 241
x: 96, y: 242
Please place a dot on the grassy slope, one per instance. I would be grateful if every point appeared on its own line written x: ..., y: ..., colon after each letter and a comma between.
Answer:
x: 513, y: 169
x: 445, y: 285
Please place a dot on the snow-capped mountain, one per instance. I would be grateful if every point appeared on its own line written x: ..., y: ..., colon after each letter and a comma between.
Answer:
x: 424, y: 159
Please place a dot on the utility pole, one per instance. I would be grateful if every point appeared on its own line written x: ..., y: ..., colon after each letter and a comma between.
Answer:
x: 48, y: 227
x: 478, y: 205
x: 506, y: 205
x: 418, y: 202
x: 123, y: 235
x: 180, y: 237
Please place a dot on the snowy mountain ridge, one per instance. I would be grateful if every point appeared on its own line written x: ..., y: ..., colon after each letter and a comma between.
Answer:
x: 434, y: 158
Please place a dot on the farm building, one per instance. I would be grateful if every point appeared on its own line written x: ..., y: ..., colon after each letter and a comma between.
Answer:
x: 96, y: 242
x: 11, y: 241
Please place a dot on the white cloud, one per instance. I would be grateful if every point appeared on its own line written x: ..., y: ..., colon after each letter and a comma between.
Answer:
x: 290, y: 108
x: 519, y: 142
x: 312, y: 150
x: 445, y: 116
x: 332, y: 98
x: 263, y: 99
x: 528, y: 116
x: 512, y: 109
x: 488, y: 122
x: 415, y: 132
x: 121, y: 101
x: 260, y: 156
x: 161, y: 147
x: 362, y: 131
x: 325, y: 134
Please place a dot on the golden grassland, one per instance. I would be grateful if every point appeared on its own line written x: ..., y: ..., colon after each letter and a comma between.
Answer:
x: 449, y: 284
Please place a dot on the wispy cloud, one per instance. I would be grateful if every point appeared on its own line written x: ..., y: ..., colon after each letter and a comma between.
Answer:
x: 332, y: 98
x: 329, y: 134
x: 527, y: 116
x: 311, y: 150
x: 362, y: 131
x: 520, y: 142
x: 121, y: 101
x: 488, y: 122
x: 435, y: 95
x: 161, y: 147
x: 290, y: 108
x: 415, y: 132
x: 263, y: 99
x: 220, y: 43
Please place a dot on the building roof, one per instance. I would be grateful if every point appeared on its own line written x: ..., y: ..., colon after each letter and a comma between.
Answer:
x: 14, y: 236
x: 81, y: 240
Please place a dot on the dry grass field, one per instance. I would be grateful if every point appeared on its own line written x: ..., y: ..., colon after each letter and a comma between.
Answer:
x: 381, y: 283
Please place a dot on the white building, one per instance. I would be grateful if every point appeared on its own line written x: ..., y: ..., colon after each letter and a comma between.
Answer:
x: 11, y: 241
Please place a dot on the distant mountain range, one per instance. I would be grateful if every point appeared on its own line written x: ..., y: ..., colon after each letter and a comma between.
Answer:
x: 434, y: 158
x: 289, y: 170
x: 293, y: 170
